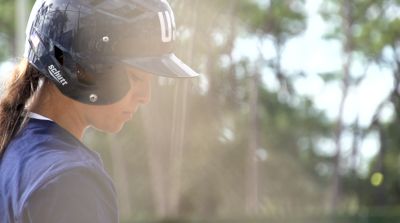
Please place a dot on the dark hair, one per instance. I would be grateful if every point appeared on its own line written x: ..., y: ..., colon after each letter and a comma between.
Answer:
x: 19, y: 89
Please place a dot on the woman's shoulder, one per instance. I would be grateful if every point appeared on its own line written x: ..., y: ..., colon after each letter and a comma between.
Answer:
x: 59, y: 183
x: 41, y: 153
x: 44, y: 145
x: 46, y: 142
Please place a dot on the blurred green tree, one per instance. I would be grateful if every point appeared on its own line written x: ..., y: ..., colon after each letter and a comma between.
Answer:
x: 370, y: 34
x: 7, y: 30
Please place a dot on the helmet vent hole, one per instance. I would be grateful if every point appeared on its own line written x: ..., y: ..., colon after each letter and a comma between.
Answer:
x: 84, y: 77
x: 59, y: 55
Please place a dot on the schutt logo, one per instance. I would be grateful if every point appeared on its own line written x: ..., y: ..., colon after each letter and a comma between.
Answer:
x: 56, y: 74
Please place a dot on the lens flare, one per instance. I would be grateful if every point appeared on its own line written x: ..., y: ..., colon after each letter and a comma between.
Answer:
x: 376, y: 179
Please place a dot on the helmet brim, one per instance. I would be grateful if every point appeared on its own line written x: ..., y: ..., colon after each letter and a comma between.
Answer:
x: 167, y: 65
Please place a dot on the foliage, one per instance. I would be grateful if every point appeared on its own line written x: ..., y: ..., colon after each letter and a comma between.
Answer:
x: 374, y: 32
x: 7, y: 25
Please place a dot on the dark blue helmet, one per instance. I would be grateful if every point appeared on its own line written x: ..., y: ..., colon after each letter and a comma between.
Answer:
x: 82, y: 45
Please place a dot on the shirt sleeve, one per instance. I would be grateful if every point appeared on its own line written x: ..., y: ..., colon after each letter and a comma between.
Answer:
x: 79, y: 195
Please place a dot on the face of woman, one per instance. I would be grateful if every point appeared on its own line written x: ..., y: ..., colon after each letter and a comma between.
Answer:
x: 111, y: 118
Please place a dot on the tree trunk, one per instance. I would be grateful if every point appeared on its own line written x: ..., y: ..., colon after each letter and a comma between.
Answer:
x: 176, y: 147
x: 21, y: 16
x: 380, y: 196
x: 355, y: 147
x: 347, y: 51
x: 251, y: 186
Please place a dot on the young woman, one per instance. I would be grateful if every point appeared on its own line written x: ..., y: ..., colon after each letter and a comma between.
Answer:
x: 88, y: 63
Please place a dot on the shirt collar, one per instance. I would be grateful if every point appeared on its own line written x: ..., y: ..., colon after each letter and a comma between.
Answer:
x: 37, y: 116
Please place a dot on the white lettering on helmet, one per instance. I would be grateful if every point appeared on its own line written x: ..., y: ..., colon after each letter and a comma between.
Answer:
x: 56, y: 74
x: 167, y: 22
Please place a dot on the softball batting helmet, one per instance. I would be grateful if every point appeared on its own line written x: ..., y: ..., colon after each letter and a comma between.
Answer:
x: 81, y: 45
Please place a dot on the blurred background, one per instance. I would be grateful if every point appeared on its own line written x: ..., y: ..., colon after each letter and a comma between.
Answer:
x: 295, y: 117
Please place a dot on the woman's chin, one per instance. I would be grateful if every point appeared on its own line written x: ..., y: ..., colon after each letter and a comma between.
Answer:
x: 113, y: 129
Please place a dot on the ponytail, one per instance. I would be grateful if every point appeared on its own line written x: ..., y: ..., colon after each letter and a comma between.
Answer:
x: 17, y: 92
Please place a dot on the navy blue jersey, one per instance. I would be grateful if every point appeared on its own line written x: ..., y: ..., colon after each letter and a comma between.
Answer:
x: 47, y: 175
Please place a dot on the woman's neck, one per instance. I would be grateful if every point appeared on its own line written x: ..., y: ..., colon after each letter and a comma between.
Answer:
x: 51, y: 103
